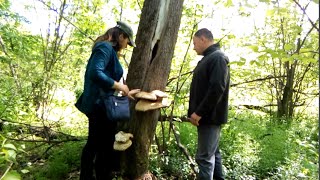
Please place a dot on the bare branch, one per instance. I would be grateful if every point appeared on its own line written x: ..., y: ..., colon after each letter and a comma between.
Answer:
x: 304, y: 12
x: 67, y: 20
x: 184, y: 150
x: 177, y: 77
x: 255, y: 80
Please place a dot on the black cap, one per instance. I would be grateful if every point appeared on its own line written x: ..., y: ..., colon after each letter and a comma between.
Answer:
x: 127, y: 29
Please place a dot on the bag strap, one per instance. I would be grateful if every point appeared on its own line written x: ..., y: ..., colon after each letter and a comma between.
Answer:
x: 123, y: 80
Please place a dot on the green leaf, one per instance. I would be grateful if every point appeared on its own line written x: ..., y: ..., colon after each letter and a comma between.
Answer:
x: 288, y: 47
x: 255, y: 62
x: 270, y: 12
x: 305, y: 50
x: 231, y: 36
x: 2, y: 160
x: 285, y: 59
x: 263, y: 57
x: 239, y: 63
x: 228, y: 3
x: 25, y: 171
x: 254, y: 48
x: 10, y: 146
x: 311, y: 60
x: 11, y: 155
x: 12, y: 175
x: 274, y: 54
x: 316, y: 1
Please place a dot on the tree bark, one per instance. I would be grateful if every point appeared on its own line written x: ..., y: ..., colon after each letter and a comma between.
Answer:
x: 149, y: 70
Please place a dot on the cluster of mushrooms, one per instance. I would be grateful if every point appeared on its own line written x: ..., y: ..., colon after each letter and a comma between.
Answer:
x: 151, y: 100
x: 122, y: 141
x: 146, y: 101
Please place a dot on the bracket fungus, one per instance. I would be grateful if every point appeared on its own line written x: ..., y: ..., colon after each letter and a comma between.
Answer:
x: 146, y: 95
x: 122, y: 141
x: 151, y: 100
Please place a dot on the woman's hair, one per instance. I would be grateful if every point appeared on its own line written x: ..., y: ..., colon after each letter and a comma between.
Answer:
x: 114, y: 33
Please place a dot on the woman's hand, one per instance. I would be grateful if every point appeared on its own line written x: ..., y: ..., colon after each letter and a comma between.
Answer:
x: 132, y: 93
x: 121, y: 87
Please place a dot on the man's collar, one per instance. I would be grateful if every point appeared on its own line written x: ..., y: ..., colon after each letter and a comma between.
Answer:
x: 211, y: 49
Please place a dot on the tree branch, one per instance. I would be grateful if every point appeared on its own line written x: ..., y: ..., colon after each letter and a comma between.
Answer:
x: 304, y: 12
x: 44, y: 132
x: 255, y: 80
x: 177, y: 77
x: 50, y: 8
x: 183, y: 149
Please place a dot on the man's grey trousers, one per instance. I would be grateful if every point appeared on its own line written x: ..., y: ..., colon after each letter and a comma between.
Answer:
x: 208, y: 156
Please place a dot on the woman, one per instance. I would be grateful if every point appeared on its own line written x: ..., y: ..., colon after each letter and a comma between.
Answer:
x: 103, y: 73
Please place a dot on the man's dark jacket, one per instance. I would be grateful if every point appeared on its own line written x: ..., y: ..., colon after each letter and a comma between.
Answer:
x: 210, y: 87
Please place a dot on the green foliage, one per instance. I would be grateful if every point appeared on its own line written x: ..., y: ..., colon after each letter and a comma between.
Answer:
x: 171, y: 162
x: 63, y: 160
x: 8, y: 160
x: 188, y: 136
x: 239, y: 147
x: 274, y: 150
x: 252, y: 146
x: 255, y: 146
x: 42, y: 74
x: 12, y: 175
x: 170, y: 165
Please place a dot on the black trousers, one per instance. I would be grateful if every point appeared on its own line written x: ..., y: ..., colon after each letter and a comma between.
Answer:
x: 98, y: 154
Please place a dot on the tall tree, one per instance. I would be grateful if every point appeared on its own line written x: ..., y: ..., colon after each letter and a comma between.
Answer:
x: 287, y: 49
x: 292, y: 55
x: 149, y: 70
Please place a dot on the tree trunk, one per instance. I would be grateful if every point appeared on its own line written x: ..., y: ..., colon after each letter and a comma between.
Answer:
x: 149, y: 70
x: 286, y: 105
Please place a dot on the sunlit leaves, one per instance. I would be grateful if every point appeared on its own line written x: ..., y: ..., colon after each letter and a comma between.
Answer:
x: 254, y: 48
x: 288, y: 47
x: 12, y: 175
x: 231, y: 36
x: 10, y: 146
x: 270, y: 12
x: 241, y: 62
x: 255, y: 62
x: 228, y: 3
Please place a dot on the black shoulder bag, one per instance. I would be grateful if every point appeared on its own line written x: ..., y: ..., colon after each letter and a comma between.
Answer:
x: 116, y: 106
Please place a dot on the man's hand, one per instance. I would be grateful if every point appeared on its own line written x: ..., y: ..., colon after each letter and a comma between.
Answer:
x: 132, y: 93
x: 194, y: 119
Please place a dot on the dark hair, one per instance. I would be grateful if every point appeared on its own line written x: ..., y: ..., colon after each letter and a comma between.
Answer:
x: 205, y: 33
x: 114, y: 33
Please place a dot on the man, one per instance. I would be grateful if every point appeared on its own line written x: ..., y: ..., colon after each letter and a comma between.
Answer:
x: 208, y: 105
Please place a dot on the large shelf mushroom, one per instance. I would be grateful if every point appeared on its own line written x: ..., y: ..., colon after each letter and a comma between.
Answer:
x: 151, y: 100
x: 122, y: 141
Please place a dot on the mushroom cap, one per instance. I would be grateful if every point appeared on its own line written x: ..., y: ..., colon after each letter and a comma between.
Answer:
x: 146, y: 105
x: 121, y: 146
x: 159, y: 93
x: 146, y: 95
x: 123, y: 137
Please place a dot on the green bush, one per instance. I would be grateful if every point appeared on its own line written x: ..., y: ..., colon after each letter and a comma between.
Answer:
x: 172, y: 163
x: 62, y: 161
x: 275, y: 148
x: 239, y: 148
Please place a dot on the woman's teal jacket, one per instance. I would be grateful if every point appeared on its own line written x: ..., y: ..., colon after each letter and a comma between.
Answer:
x: 102, y: 70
